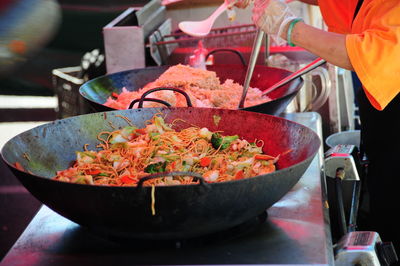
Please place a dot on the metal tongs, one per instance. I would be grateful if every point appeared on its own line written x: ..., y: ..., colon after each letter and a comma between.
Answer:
x: 311, y: 66
x: 252, y: 62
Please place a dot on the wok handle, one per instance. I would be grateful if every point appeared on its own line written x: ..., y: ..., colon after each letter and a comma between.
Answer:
x: 148, y: 99
x: 189, y: 103
x: 163, y: 174
x: 228, y: 50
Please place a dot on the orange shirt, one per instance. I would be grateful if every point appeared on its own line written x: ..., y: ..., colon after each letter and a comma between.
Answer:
x: 372, y: 42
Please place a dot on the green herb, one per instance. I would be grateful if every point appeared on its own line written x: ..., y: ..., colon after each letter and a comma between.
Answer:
x: 156, y: 167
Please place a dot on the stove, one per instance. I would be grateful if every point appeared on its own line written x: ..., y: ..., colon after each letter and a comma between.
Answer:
x: 295, y: 230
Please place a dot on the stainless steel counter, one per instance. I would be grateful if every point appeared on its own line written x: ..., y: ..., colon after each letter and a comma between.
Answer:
x: 296, y: 231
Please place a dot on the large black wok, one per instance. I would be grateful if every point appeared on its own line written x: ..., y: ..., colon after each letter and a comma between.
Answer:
x: 97, y: 90
x: 181, y: 211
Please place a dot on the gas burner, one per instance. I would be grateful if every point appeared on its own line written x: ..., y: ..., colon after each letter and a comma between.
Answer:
x: 219, y: 237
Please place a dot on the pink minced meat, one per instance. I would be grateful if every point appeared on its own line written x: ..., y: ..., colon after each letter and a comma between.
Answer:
x: 203, y: 87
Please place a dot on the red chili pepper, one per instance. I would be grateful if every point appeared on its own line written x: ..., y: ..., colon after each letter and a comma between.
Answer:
x: 127, y: 179
x: 173, y: 165
x: 263, y: 157
x: 239, y: 175
x: 93, y: 172
x: 205, y: 161
x: 114, y: 94
x: 141, y: 131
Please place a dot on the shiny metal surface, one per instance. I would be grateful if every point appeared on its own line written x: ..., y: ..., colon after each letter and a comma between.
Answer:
x: 313, y: 65
x: 252, y: 62
x: 296, y: 232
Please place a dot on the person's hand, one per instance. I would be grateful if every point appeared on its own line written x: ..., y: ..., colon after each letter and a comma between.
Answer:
x: 238, y: 3
x: 272, y: 16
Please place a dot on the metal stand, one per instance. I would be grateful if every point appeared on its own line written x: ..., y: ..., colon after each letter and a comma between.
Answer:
x: 354, y: 248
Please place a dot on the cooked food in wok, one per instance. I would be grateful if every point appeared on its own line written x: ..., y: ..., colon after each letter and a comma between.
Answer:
x: 129, y: 154
x: 177, y: 211
x: 202, y: 86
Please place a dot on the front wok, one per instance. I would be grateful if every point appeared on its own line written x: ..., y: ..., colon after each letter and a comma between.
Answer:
x: 182, y: 211
x: 97, y: 91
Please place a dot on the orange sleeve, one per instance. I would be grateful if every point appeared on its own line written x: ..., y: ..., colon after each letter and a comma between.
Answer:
x: 375, y: 52
x: 337, y: 15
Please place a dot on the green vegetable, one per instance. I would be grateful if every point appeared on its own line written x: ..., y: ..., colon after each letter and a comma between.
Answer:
x: 171, y: 157
x: 84, y: 180
x: 161, y: 125
x: 154, y: 135
x: 253, y: 148
x: 85, y: 157
x: 127, y: 131
x: 80, y: 180
x: 265, y: 162
x: 122, y: 136
x: 234, y: 156
x: 156, y: 167
x: 117, y: 138
x: 103, y: 174
x: 219, y: 141
x: 123, y: 145
x: 82, y: 154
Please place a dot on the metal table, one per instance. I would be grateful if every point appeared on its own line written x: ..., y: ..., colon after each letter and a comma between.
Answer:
x: 296, y: 231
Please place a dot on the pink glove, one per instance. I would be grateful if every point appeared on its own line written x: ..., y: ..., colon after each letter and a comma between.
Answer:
x: 272, y: 16
x: 238, y: 3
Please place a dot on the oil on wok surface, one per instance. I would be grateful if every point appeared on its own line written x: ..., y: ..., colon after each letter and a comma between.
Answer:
x: 182, y: 211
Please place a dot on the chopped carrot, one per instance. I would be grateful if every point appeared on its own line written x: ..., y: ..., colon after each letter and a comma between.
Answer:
x: 286, y: 152
x: 263, y: 157
x: 239, y: 175
x: 127, y: 179
x: 19, y: 166
x: 140, y: 131
x: 205, y: 161
x: 173, y: 165
x: 114, y: 94
x: 93, y: 172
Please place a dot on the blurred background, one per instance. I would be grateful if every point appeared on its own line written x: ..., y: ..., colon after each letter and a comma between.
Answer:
x: 38, y: 36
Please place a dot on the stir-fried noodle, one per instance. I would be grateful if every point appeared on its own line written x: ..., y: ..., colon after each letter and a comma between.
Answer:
x: 126, y: 155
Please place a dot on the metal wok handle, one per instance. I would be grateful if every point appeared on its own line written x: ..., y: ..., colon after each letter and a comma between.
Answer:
x: 314, y: 64
x: 326, y: 86
x: 197, y: 176
x: 228, y: 50
x: 189, y: 103
x: 147, y: 99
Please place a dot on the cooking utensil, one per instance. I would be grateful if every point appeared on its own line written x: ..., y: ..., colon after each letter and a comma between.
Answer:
x: 203, y: 27
x: 252, y: 62
x: 182, y: 211
x: 313, y: 65
x: 98, y: 90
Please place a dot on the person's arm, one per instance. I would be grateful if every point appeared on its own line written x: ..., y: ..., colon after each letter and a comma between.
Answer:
x: 327, y: 45
x: 275, y: 17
